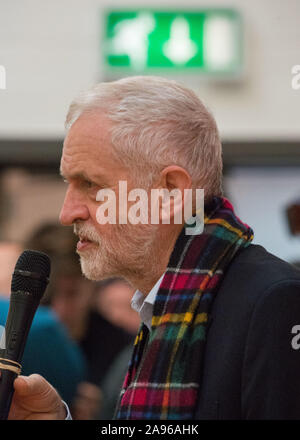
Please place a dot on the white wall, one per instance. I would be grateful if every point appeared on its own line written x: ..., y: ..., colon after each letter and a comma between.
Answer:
x: 51, y: 50
x: 260, y: 198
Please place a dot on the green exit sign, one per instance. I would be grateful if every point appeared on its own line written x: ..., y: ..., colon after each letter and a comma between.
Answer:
x: 208, y: 41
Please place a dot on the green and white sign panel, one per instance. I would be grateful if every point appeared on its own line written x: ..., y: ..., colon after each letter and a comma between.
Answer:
x: 208, y: 41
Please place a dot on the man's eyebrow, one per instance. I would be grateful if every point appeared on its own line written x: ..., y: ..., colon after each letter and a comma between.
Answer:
x: 79, y: 175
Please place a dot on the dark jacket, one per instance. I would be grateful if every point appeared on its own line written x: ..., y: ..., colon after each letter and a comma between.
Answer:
x: 252, y: 359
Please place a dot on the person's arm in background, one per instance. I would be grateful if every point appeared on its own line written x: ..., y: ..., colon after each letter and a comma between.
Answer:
x: 270, y: 379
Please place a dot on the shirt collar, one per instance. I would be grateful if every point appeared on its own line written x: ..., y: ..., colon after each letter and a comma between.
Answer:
x: 144, y: 306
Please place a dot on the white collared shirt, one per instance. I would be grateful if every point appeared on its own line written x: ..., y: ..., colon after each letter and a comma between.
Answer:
x: 144, y: 306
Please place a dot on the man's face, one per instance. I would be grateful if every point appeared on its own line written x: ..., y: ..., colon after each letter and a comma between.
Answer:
x: 71, y: 301
x: 89, y: 165
x: 113, y: 302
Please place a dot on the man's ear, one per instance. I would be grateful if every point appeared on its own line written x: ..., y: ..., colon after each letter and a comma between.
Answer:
x: 174, y: 180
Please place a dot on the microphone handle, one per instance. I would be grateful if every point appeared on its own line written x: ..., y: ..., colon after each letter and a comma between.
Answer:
x: 7, y: 391
x: 21, y: 311
x: 20, y: 315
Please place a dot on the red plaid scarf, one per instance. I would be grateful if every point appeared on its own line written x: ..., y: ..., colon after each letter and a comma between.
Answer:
x: 163, y: 380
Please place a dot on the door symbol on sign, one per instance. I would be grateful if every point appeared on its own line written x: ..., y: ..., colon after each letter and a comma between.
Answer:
x: 131, y: 39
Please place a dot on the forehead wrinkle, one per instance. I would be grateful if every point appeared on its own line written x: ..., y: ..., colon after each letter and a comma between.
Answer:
x: 88, y: 143
x: 84, y: 138
x: 91, y: 126
x: 79, y: 151
x: 76, y: 168
x: 80, y: 143
x: 81, y: 174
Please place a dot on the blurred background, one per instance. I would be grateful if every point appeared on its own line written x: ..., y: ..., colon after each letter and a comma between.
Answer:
x: 242, y: 59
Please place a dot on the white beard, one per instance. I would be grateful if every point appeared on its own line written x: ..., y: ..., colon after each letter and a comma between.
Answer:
x: 130, y: 253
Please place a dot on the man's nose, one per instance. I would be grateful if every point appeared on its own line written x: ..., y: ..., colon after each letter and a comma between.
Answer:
x: 73, y: 209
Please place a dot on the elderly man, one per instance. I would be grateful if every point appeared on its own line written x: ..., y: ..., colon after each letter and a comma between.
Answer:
x: 220, y: 316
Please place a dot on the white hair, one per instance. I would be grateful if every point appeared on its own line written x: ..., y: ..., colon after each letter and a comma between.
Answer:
x: 155, y: 123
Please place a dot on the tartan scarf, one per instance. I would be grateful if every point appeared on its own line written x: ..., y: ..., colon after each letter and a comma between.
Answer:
x: 164, y: 376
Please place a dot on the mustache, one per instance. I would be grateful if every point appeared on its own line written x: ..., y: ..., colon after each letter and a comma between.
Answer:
x: 86, y: 232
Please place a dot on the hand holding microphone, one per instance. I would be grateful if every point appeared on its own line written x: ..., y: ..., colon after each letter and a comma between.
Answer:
x: 35, y: 399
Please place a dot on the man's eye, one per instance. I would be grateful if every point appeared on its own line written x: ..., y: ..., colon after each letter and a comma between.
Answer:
x: 88, y: 184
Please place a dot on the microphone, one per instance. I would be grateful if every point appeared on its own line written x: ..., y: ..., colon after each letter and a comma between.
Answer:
x: 29, y: 282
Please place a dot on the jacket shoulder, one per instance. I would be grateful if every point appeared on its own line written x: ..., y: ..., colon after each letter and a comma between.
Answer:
x: 254, y: 270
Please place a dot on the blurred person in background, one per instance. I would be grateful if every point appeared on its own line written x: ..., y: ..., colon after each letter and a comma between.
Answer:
x: 113, y: 325
x: 9, y: 253
x: 113, y: 300
x: 292, y: 214
x: 62, y: 363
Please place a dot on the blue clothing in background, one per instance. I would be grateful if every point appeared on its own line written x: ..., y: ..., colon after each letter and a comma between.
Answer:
x: 50, y: 352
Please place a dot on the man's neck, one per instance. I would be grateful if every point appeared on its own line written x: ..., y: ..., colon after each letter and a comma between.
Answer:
x: 158, y: 263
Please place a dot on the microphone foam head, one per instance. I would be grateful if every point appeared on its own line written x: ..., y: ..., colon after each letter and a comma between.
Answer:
x: 31, y: 273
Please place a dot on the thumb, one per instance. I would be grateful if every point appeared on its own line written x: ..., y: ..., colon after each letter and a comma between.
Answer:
x: 31, y: 385
x: 35, y: 398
